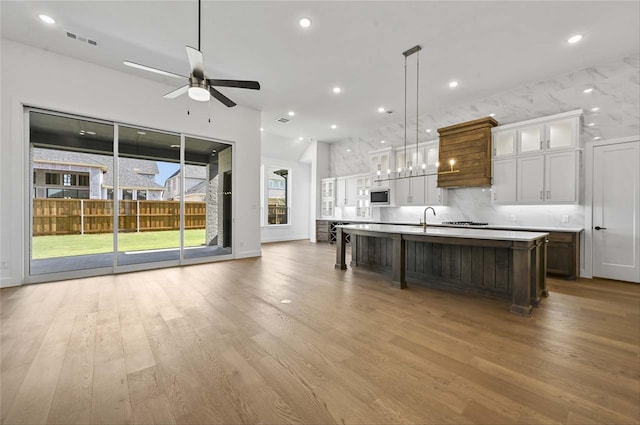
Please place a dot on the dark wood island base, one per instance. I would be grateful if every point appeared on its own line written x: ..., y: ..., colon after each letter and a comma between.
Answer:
x: 505, y: 264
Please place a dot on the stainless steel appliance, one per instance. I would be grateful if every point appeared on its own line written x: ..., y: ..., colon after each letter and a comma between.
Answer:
x: 380, y: 196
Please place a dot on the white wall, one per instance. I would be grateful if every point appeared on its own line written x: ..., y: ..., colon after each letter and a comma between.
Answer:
x: 300, y: 180
x: 35, y: 77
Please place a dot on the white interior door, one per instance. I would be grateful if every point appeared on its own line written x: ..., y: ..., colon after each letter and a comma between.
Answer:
x: 616, y: 211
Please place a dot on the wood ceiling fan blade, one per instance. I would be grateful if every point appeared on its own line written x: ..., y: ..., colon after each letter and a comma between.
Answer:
x: 196, y: 62
x: 222, y: 98
x: 151, y: 69
x: 241, y: 84
x: 177, y: 92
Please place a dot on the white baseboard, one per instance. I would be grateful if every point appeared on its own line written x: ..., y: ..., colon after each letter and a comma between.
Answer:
x: 8, y: 282
x: 285, y: 239
x: 248, y: 254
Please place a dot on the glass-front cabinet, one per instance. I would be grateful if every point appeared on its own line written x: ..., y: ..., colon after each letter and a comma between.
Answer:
x: 504, y: 143
x: 328, y: 189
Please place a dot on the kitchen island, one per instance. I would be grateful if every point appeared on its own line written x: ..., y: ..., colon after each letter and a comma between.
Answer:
x: 505, y: 264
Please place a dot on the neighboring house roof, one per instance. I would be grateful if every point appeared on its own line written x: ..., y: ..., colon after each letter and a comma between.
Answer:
x: 199, y: 188
x: 134, y: 173
x: 192, y: 172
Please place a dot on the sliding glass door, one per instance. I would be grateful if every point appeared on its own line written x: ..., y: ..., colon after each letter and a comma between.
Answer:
x: 148, y: 196
x: 167, y: 197
x: 72, y: 217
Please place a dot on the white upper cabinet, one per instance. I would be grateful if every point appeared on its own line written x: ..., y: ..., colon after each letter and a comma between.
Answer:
x: 328, y: 196
x: 530, y: 179
x: 381, y: 163
x: 433, y: 194
x: 562, y: 134
x: 341, y: 192
x: 504, y: 181
x: 540, y: 164
x: 504, y: 143
x: 560, y: 175
x: 530, y: 139
x: 402, y: 192
x: 418, y: 197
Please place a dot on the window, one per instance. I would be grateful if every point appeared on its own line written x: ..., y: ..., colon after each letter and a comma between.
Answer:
x: 52, y: 178
x: 127, y: 194
x: 109, y: 193
x: 66, y: 179
x: 142, y: 195
x: 83, y: 180
x: 278, y: 195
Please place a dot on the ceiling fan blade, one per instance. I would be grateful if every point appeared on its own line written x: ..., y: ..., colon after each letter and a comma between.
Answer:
x: 177, y: 92
x: 222, y: 98
x: 196, y: 62
x: 253, y: 85
x: 155, y: 70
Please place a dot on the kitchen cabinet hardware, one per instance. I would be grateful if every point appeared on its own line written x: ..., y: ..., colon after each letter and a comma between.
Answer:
x: 600, y: 228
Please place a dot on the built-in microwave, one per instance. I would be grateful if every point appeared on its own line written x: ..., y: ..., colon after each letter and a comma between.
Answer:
x: 379, y: 197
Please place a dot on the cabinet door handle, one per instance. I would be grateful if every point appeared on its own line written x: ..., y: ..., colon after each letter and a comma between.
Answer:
x: 494, y: 196
x: 548, y: 144
x: 548, y: 194
x: 541, y: 145
x: 541, y: 194
x: 600, y: 228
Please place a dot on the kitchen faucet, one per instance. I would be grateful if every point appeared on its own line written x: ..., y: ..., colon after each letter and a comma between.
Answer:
x: 424, y: 223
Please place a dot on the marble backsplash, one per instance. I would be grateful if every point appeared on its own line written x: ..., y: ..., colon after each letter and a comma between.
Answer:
x: 616, y: 91
x: 474, y: 204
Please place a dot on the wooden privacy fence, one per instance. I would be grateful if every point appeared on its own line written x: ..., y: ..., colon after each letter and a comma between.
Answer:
x: 80, y: 216
x: 277, y: 214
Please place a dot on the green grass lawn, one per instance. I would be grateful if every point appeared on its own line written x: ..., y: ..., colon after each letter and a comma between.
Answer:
x: 70, y: 245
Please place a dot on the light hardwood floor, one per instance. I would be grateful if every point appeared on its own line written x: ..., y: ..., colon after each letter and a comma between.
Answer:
x: 214, y: 344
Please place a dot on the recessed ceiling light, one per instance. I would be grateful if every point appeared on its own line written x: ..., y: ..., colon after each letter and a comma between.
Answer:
x: 301, y: 138
x: 47, y: 19
x: 261, y: 129
x: 142, y: 133
x: 453, y: 84
x: 492, y: 115
x: 337, y: 90
x: 305, y: 22
x: 597, y: 138
x: 382, y: 141
x: 589, y: 90
x: 174, y: 146
x: 291, y: 113
x: 333, y: 126
x: 348, y: 150
x: 381, y: 109
x: 82, y: 133
x: 575, y: 38
x: 91, y: 133
x: 428, y: 130
x: 591, y: 124
x: 595, y: 109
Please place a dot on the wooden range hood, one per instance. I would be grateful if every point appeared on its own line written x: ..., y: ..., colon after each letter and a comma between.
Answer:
x: 469, y: 145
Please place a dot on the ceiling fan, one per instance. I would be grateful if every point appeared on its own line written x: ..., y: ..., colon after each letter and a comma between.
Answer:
x: 198, y: 86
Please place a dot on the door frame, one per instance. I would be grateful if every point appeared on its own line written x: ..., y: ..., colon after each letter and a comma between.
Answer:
x: 586, y: 269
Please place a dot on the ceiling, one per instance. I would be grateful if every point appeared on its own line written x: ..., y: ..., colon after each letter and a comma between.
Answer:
x: 489, y: 47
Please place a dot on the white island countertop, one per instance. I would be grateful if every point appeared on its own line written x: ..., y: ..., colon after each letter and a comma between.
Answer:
x: 449, y: 232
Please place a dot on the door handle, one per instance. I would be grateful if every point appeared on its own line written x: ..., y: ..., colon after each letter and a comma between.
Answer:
x: 600, y: 228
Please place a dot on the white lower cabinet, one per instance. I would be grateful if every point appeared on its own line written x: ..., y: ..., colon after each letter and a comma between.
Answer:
x: 504, y: 181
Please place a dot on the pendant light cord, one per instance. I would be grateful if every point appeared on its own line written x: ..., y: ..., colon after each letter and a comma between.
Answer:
x: 417, y: 105
x: 199, y: 19
x: 405, y: 113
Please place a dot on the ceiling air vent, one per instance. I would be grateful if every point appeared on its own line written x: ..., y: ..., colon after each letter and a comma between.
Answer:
x: 82, y: 39
x: 283, y: 120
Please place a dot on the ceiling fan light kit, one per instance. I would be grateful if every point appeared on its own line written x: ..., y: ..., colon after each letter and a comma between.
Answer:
x: 198, y: 87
